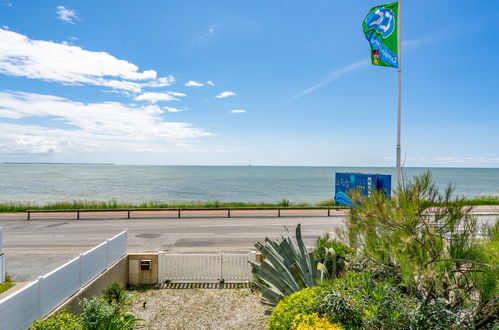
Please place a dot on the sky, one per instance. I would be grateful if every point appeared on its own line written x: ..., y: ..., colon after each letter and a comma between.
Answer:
x: 237, y: 82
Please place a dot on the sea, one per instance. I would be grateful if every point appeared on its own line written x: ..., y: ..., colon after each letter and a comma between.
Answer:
x: 46, y: 183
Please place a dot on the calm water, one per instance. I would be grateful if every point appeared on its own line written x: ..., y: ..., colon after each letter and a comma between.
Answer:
x: 49, y: 183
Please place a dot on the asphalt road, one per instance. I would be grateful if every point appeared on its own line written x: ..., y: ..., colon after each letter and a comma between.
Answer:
x: 35, y: 247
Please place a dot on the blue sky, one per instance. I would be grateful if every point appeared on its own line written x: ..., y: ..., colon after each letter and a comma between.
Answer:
x: 238, y: 82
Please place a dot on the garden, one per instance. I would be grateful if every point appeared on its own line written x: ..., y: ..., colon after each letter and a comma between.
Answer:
x: 417, y: 260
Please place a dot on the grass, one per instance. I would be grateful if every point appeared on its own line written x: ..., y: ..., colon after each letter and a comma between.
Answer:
x: 77, y: 204
x: 5, y: 286
x: 485, y: 200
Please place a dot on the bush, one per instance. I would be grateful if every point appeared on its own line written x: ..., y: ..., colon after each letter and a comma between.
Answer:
x: 313, y: 322
x: 380, y: 272
x: 435, y: 243
x: 301, y: 302
x: 437, y: 315
x: 96, y: 312
x: 336, y: 264
x: 58, y: 321
x: 116, y: 293
x: 357, y: 300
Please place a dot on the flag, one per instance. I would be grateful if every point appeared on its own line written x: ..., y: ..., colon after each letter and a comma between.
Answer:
x: 380, y: 28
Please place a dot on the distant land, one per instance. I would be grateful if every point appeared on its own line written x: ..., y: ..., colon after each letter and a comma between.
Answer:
x: 20, y: 163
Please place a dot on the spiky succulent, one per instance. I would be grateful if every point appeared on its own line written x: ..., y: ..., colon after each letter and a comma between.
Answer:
x: 287, y: 267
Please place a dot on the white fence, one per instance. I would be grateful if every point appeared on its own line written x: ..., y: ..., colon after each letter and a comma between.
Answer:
x: 205, y: 268
x: 38, y: 298
x: 2, y: 258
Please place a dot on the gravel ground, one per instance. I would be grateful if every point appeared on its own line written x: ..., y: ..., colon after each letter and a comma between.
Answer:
x: 200, y: 309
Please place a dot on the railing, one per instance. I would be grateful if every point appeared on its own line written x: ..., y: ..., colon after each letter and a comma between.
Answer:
x: 40, y: 297
x: 178, y: 211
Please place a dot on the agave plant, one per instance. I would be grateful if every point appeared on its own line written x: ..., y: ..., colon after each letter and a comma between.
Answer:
x: 288, y: 267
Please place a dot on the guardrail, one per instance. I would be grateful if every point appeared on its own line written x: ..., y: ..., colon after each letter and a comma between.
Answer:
x: 179, y: 211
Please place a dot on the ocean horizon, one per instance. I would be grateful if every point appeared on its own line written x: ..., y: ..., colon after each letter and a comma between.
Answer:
x: 47, y: 183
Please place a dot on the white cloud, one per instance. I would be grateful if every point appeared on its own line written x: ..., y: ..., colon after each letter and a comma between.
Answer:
x: 450, y: 161
x: 51, y: 61
x: 170, y: 109
x: 86, y: 127
x: 225, y: 94
x: 6, y: 3
x: 154, y: 97
x: 211, y: 83
x: 238, y: 111
x: 177, y: 94
x: 332, y: 76
x: 192, y: 83
x: 67, y: 15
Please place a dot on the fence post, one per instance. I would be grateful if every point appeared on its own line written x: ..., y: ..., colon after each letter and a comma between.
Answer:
x: 228, y: 213
x: 221, y: 267
x: 278, y: 212
x: 80, y: 261
x: 328, y: 211
x: 126, y: 241
x: 40, y: 300
x: 107, y: 254
x: 77, y: 214
x: 128, y: 214
x: 179, y: 213
x: 29, y: 215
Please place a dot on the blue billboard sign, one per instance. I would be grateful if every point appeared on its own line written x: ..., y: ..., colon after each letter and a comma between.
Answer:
x: 365, y: 183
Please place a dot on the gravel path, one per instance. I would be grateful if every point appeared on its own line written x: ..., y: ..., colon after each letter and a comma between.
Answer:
x: 200, y: 309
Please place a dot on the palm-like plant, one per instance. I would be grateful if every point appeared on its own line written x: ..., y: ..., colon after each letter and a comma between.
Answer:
x: 288, y: 267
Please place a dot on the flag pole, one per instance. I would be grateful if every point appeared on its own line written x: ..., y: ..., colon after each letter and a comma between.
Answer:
x: 399, y: 74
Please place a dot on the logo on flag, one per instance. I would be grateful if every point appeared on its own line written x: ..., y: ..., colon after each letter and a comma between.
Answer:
x: 382, y: 20
x: 380, y: 29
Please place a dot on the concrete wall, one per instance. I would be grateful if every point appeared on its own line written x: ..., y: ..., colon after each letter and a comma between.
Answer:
x: 118, y: 272
x: 138, y: 276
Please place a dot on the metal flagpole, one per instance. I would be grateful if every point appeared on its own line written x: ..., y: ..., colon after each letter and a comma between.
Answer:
x: 399, y: 73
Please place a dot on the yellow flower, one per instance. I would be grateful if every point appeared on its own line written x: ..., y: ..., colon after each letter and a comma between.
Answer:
x: 313, y: 322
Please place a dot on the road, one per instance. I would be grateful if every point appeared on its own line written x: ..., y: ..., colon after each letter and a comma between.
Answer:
x: 37, y: 246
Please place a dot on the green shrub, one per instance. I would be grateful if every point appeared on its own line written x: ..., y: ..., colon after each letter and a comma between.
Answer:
x: 96, y: 312
x: 357, y: 300
x: 116, y: 293
x: 439, y: 251
x: 58, y: 321
x: 380, y: 272
x: 342, y: 255
x: 301, y: 302
x: 121, y: 321
x: 437, y: 315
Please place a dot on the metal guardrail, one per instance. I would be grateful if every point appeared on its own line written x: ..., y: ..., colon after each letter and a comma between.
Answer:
x: 180, y: 210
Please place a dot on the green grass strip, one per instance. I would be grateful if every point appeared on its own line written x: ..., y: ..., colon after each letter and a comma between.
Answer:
x: 109, y: 205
